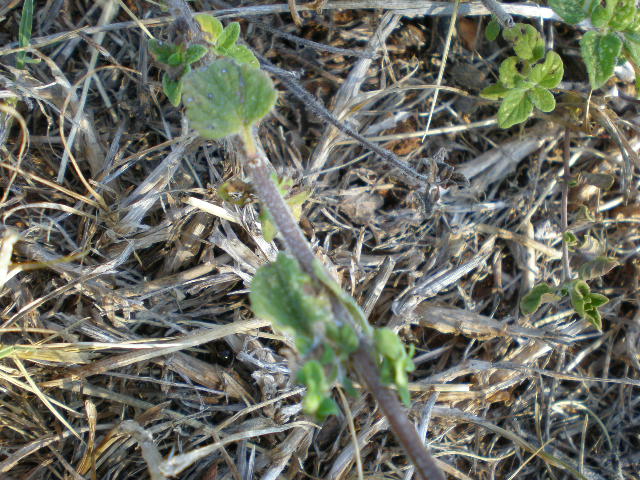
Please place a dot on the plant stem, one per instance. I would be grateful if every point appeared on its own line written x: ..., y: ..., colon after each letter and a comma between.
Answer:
x: 405, y: 431
x: 259, y: 171
x: 566, y: 157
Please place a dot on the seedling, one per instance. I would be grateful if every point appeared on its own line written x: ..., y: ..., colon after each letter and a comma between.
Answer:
x: 525, y: 79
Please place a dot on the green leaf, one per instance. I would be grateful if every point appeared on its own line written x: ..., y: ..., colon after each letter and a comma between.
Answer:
x: 317, y: 401
x: 269, y: 229
x: 24, y: 34
x: 527, y: 41
x: 593, y: 316
x: 509, y: 72
x: 229, y: 35
x: 210, y: 26
x: 549, y: 73
x: 623, y: 15
x: 227, y: 97
x: 176, y: 59
x: 492, y: 30
x: 597, y: 300
x: 570, y: 238
x: 388, y: 344
x: 345, y: 338
x: 600, y: 53
x: 242, y: 54
x: 542, y: 99
x: 631, y: 42
x: 600, y: 16
x: 541, y: 293
x: 396, y: 361
x: 578, y: 293
x: 515, y: 108
x: 495, y: 91
x: 195, y: 53
x: 283, y: 294
x: 571, y: 11
x: 596, y: 268
x: 161, y: 51
x: 172, y: 89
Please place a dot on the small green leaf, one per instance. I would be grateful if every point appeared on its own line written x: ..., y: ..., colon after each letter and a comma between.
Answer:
x: 549, y: 73
x: 593, y: 316
x: 388, y: 344
x: 541, y: 293
x: 345, y: 338
x: 242, y: 54
x: 176, y: 59
x: 227, y: 97
x: 600, y: 54
x: 317, y: 401
x: 515, y: 108
x: 495, y: 91
x: 571, y: 11
x: 492, y: 30
x: 195, y: 53
x: 172, y: 89
x: 210, y: 26
x: 600, y: 16
x: 570, y: 238
x: 527, y: 41
x: 509, y: 72
x: 596, y: 268
x: 229, y: 35
x: 542, y: 99
x: 395, y: 362
x: 161, y: 51
x: 597, y: 300
x: 269, y: 229
x: 283, y: 294
x: 578, y: 293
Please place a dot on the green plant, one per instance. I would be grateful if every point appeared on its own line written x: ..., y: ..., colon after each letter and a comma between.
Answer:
x: 525, y: 79
x: 24, y: 35
x: 295, y: 292
x: 221, y: 41
x: 583, y: 300
x: 616, y: 35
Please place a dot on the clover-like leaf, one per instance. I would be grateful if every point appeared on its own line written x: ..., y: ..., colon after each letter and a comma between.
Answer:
x: 600, y: 54
x: 495, y: 91
x: 515, y: 108
x: 194, y: 53
x: 571, y: 11
x: 541, y: 293
x: 596, y: 268
x: 172, y: 89
x: 210, y: 26
x: 542, y: 99
x: 229, y: 35
x: 227, y: 97
x: 549, y: 73
x: 527, y: 41
x: 492, y: 30
x: 283, y: 294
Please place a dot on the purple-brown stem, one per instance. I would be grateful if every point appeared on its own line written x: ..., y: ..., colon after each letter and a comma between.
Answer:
x: 260, y: 173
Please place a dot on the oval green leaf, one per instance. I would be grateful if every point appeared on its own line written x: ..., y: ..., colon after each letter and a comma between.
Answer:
x: 492, y: 30
x: 229, y: 35
x: 172, y: 89
x: 195, y: 53
x: 515, y: 108
x: 210, y: 26
x: 600, y: 53
x: 226, y: 97
x: 542, y: 99
x: 549, y: 73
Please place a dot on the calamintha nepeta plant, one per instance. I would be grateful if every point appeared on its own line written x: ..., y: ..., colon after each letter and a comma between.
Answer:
x: 228, y: 96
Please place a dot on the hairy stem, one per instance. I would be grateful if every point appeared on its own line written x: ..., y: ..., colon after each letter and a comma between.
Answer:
x: 258, y: 168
